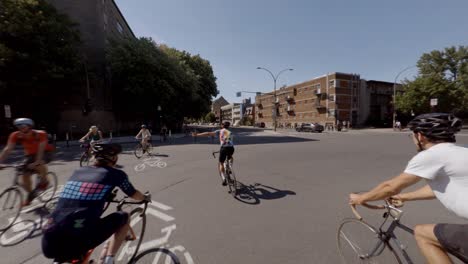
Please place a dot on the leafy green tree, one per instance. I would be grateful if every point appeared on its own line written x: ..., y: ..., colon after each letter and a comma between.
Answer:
x: 442, y: 75
x: 210, y: 117
x: 39, y: 57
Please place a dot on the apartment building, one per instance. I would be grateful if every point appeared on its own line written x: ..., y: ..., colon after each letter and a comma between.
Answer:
x: 326, y: 99
x: 232, y: 113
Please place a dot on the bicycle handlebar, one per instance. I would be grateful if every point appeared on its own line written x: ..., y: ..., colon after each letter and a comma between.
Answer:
x: 123, y: 201
x: 389, y: 204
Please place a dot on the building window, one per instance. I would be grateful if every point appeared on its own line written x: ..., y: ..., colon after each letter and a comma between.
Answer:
x: 331, y: 112
x: 332, y: 83
x: 119, y: 27
x: 332, y: 97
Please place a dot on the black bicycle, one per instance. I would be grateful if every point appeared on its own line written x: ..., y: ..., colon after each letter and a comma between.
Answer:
x: 140, y: 150
x: 129, y: 249
x: 230, y: 175
x: 86, y: 155
x: 11, y: 199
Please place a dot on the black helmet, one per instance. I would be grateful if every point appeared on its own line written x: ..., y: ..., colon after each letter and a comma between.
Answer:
x: 441, y: 126
x: 106, y: 151
x: 226, y: 124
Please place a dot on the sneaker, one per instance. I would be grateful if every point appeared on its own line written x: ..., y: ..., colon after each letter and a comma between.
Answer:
x: 26, y: 202
x: 224, y: 182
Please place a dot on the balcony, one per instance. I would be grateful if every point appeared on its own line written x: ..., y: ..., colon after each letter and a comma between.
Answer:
x: 318, y: 105
x: 260, y: 115
x: 289, y: 99
x: 260, y: 106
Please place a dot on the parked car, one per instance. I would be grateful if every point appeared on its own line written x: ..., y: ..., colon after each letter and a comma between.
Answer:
x: 261, y: 124
x: 310, y: 127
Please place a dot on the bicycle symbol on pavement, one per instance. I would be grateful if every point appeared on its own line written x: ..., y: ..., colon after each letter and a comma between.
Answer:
x: 151, y: 162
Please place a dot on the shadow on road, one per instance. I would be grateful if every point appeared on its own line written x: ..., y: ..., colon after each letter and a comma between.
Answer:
x: 252, y: 194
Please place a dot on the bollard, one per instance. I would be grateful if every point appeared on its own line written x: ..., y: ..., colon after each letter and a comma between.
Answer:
x: 54, y: 139
x: 67, y: 139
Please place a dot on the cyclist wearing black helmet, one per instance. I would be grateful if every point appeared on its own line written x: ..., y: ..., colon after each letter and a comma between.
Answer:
x: 76, y: 225
x: 227, y: 146
x: 442, y: 164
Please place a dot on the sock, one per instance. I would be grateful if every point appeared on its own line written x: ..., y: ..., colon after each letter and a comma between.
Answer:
x: 223, y: 176
x: 109, y: 260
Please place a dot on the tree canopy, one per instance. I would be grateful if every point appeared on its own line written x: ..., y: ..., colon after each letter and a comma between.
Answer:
x: 442, y: 75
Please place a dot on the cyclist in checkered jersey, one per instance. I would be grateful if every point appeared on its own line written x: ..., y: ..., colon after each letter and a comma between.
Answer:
x: 76, y: 225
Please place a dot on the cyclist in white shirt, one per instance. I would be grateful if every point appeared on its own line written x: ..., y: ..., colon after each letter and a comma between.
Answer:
x: 443, y: 166
x: 145, y: 135
x: 227, y: 146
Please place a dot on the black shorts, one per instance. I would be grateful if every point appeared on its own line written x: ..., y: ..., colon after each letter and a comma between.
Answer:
x: 454, y: 238
x: 64, y: 242
x: 225, y: 152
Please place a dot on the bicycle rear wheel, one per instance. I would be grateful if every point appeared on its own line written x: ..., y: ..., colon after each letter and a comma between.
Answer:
x: 156, y: 256
x: 139, y: 151
x: 232, y: 182
x: 49, y: 193
x: 10, y: 207
x: 359, y: 242
x: 130, y: 248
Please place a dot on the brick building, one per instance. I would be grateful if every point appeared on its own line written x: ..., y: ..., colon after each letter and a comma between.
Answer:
x: 328, y: 99
x: 216, y: 107
x: 98, y: 22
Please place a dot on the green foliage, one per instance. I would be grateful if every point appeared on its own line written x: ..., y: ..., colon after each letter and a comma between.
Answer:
x: 38, y: 55
x: 442, y: 75
x: 145, y: 75
x: 247, y: 121
x: 210, y: 117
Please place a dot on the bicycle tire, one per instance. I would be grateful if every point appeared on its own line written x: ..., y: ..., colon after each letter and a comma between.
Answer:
x: 48, y: 194
x: 84, y: 159
x: 366, y: 244
x: 130, y: 247
x: 138, y: 151
x: 232, y: 182
x: 143, y: 258
x: 10, y: 207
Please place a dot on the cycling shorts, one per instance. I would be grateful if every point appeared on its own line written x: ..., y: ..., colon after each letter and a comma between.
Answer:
x: 225, y: 152
x: 47, y: 157
x: 453, y: 237
x: 71, y: 239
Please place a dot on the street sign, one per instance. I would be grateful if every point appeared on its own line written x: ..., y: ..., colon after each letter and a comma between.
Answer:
x: 433, y: 101
x: 239, y: 94
x: 7, y: 111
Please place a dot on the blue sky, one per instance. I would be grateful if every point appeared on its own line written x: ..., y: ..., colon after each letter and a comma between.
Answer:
x: 374, y: 38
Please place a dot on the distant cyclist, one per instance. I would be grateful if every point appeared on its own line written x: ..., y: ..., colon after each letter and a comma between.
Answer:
x: 145, y: 135
x: 37, y: 154
x: 443, y: 166
x: 94, y: 135
x: 76, y: 225
x: 227, y: 146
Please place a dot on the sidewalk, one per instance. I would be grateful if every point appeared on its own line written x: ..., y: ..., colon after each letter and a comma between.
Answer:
x: 121, y: 140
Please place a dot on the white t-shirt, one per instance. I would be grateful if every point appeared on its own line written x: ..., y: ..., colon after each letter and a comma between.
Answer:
x: 445, y: 167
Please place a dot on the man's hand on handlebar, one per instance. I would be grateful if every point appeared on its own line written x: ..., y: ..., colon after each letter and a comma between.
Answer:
x: 147, y: 197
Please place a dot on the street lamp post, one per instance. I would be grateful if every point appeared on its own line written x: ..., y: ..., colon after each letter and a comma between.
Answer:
x: 274, y: 93
x: 394, y: 92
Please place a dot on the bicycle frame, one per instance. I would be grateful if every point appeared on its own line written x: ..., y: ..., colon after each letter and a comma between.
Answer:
x: 388, y: 235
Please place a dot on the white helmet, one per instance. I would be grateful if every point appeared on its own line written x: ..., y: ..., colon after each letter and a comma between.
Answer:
x: 23, y: 121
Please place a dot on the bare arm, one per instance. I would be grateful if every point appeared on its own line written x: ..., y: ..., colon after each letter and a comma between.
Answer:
x: 85, y: 136
x: 6, y: 151
x: 205, y: 134
x: 386, y: 189
x: 138, y: 196
x: 40, y: 152
x: 424, y: 193
x: 139, y: 133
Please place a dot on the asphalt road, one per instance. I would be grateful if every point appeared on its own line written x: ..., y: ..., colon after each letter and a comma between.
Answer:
x: 293, y: 195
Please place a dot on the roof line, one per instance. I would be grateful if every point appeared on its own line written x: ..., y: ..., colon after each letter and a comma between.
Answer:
x: 123, y: 17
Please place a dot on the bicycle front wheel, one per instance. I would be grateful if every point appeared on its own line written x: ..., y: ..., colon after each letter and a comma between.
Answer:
x: 138, y: 151
x: 134, y: 237
x: 156, y: 256
x: 149, y: 149
x: 48, y: 193
x: 359, y: 242
x: 10, y: 207
x: 84, y: 159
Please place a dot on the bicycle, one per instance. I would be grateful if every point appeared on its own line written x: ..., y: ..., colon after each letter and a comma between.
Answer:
x: 11, y: 199
x: 140, y: 151
x: 230, y: 175
x: 86, y: 155
x: 156, y: 256
x: 134, y: 237
x: 367, y: 244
